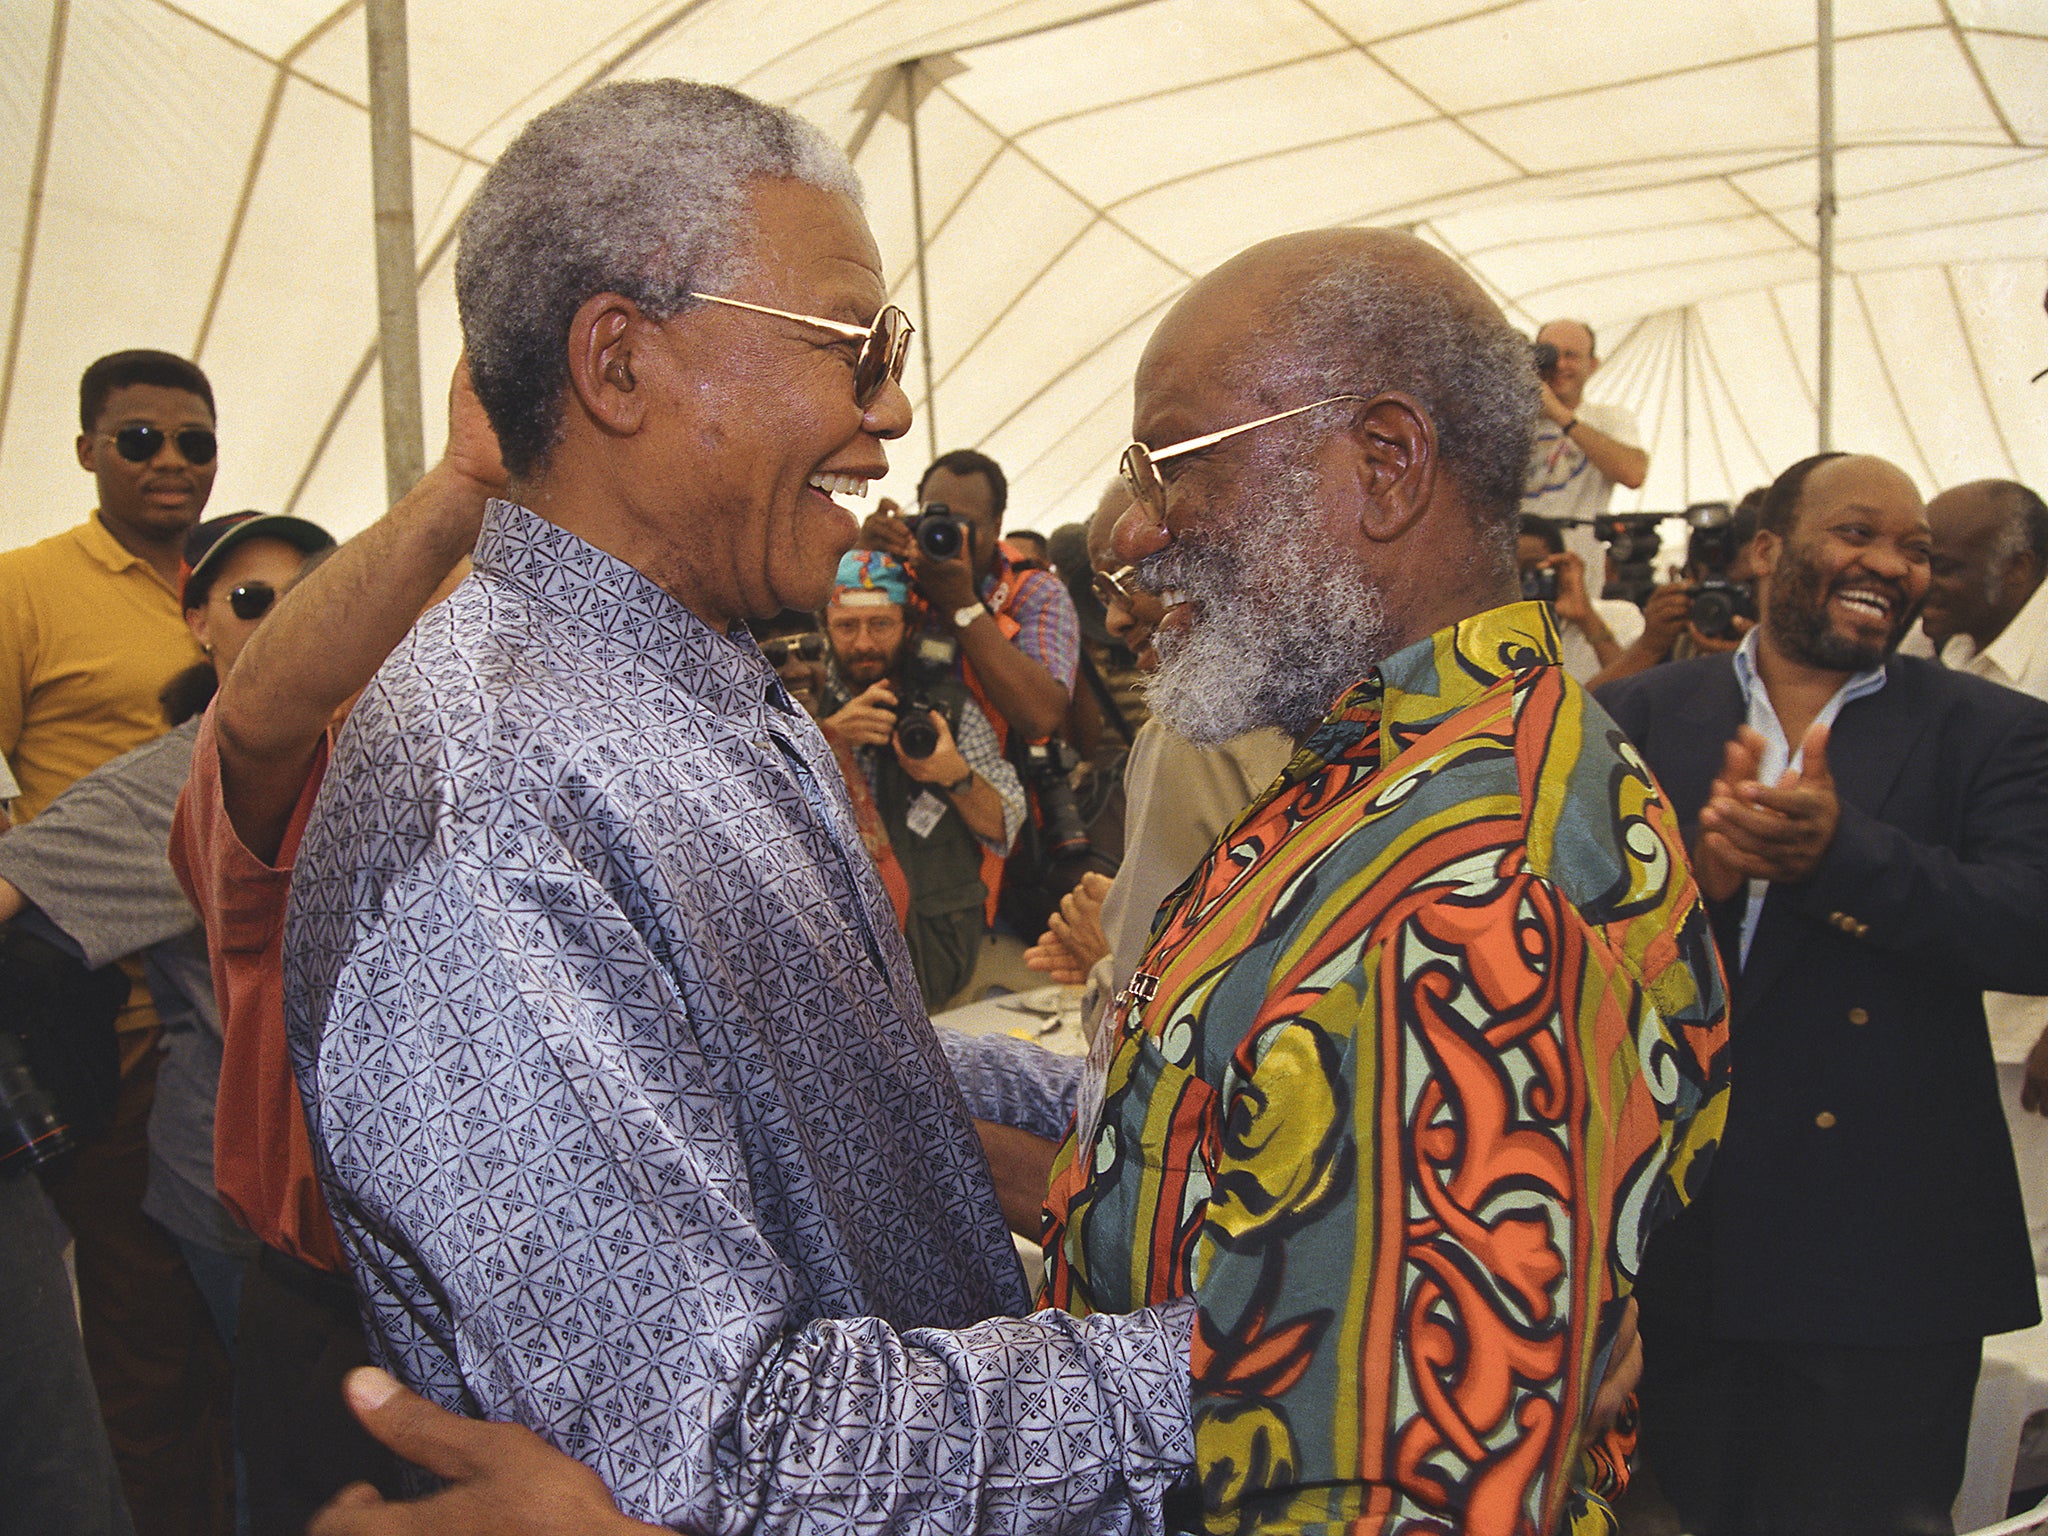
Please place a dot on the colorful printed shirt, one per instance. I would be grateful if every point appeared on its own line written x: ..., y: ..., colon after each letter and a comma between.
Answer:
x: 1418, y: 1057
x: 1048, y: 630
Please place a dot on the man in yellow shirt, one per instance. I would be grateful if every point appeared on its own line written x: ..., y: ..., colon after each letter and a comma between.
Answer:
x: 91, y: 629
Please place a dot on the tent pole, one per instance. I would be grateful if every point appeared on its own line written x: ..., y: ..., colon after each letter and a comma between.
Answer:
x: 924, y: 301
x: 1685, y: 402
x: 398, y: 314
x: 1824, y: 370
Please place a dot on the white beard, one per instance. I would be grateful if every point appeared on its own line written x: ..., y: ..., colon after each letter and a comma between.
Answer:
x: 1277, y: 635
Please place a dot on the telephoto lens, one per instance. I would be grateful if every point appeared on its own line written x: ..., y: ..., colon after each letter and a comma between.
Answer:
x: 32, y: 1133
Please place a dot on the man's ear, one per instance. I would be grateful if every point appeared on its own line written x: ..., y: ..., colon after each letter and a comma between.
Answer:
x: 2022, y: 573
x: 1393, y: 445
x: 1764, y: 550
x: 606, y: 333
x: 85, y: 454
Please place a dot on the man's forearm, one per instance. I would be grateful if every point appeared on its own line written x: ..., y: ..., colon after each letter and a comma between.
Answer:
x: 1021, y: 688
x: 1616, y: 460
x: 982, y: 809
x: 326, y: 640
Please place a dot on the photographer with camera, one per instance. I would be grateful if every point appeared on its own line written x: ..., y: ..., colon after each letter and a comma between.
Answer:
x: 1592, y: 632
x: 1583, y: 449
x: 1712, y: 605
x: 1019, y: 638
x: 949, y: 800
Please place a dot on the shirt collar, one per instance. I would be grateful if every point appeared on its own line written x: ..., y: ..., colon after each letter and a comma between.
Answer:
x: 1856, y: 686
x: 99, y: 542
x: 2015, y: 645
x: 582, y: 600
x: 1416, y: 688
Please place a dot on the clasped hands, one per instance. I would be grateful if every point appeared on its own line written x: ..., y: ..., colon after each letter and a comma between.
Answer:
x: 1073, y: 940
x: 1750, y: 830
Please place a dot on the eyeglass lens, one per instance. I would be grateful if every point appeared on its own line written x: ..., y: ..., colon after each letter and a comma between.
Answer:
x: 1143, y: 478
x: 882, y: 355
x: 138, y: 445
x: 1114, y: 586
x: 252, y: 600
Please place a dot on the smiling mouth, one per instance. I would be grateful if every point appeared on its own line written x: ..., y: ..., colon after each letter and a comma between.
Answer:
x: 839, y: 485
x: 1863, y: 600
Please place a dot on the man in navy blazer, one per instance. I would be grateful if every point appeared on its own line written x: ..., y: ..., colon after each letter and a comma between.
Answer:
x: 1871, y: 832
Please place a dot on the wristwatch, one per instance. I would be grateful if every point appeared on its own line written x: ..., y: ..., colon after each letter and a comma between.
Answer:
x: 962, y: 617
x: 956, y: 788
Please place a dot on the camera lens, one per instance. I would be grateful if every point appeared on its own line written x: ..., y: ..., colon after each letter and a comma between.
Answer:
x: 32, y: 1132
x: 939, y: 536
x: 916, y: 733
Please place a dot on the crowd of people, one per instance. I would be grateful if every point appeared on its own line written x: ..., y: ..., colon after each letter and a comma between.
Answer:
x: 477, y: 996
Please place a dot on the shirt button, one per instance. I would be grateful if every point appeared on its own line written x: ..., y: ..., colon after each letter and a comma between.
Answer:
x: 1859, y: 1015
x: 1825, y: 1120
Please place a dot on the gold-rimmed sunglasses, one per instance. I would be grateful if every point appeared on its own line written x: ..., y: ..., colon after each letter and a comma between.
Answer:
x: 1141, y: 464
x: 884, y: 345
x: 1117, y: 586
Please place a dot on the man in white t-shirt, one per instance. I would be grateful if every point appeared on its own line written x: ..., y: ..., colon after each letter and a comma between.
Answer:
x: 1987, y: 613
x: 1582, y: 449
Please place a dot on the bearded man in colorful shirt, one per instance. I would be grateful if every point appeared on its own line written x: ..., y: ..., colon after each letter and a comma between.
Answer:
x: 1432, y: 1039
x: 1435, y: 1034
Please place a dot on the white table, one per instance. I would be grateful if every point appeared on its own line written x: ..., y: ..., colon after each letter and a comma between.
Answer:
x: 2013, y: 1384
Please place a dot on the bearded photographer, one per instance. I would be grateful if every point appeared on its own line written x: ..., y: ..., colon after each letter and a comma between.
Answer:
x: 949, y: 800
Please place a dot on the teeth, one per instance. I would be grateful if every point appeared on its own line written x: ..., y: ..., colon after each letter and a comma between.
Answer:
x: 839, y: 485
x: 1172, y: 597
x: 1866, y: 600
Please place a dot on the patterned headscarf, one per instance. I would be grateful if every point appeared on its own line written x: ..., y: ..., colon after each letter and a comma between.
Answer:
x: 870, y: 578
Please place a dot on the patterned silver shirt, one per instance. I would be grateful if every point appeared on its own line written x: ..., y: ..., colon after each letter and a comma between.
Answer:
x: 631, y: 1121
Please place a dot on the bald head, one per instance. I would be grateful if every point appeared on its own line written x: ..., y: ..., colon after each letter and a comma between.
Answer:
x: 1990, y: 552
x: 1376, y: 506
x: 1364, y: 312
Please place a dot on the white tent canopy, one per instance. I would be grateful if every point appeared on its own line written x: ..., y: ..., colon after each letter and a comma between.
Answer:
x: 195, y: 176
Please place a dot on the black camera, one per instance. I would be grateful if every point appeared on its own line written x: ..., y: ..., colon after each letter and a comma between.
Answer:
x: 939, y: 532
x: 1539, y: 584
x: 1545, y: 358
x: 929, y: 659
x: 33, y: 1131
x: 60, y: 1063
x: 1632, y: 540
x: 1718, y: 602
x: 1717, y: 599
x: 1045, y: 767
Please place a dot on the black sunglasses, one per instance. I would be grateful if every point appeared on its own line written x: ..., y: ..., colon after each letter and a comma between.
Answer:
x: 138, y: 445
x: 809, y: 647
x: 252, y: 599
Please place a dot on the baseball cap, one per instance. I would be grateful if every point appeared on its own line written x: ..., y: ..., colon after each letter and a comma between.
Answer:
x: 211, y: 542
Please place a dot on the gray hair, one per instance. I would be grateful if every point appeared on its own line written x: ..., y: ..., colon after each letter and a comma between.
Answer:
x: 637, y: 188
x: 1354, y: 329
x: 2023, y: 525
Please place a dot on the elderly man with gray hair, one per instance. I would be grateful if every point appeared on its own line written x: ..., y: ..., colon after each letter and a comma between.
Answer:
x: 631, y: 1120
x: 1428, y: 1043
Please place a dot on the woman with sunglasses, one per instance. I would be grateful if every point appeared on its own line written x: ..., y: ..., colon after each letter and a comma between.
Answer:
x: 93, y: 863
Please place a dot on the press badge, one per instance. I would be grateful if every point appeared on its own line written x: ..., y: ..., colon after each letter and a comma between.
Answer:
x: 925, y: 813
